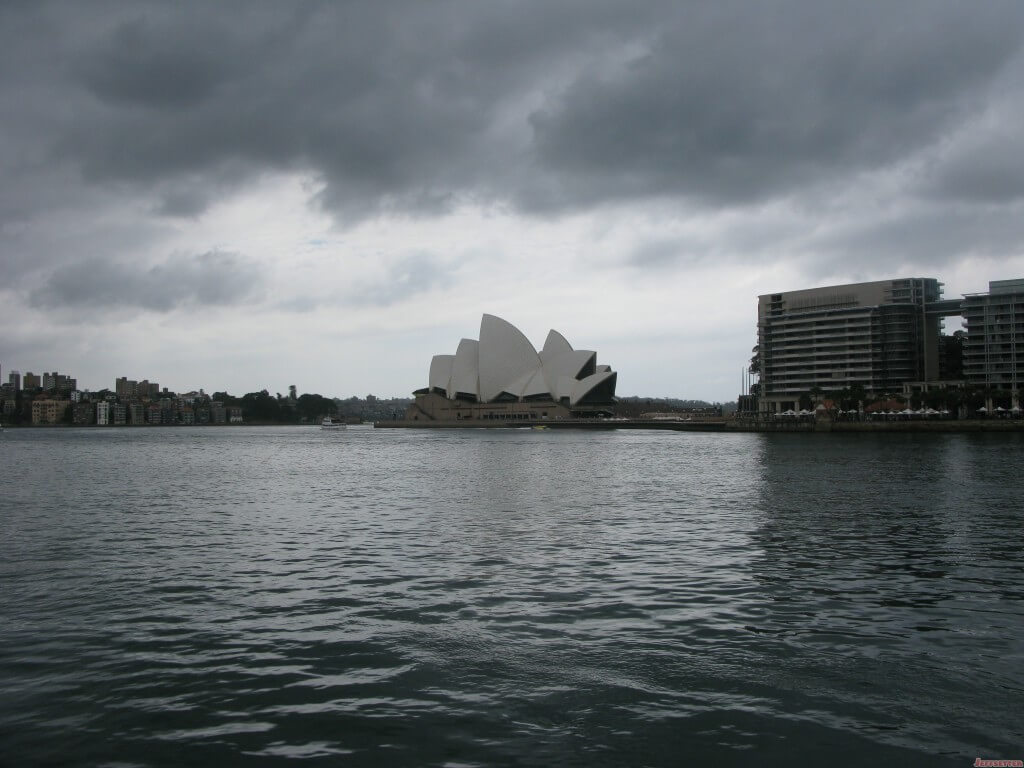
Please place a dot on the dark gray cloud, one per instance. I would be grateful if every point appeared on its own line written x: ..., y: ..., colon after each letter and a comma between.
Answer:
x: 987, y: 167
x: 170, y: 66
x: 544, y: 107
x: 209, y: 279
x: 416, y: 107
x: 735, y: 106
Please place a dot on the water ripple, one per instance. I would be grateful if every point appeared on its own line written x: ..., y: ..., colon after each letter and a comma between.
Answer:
x: 234, y: 596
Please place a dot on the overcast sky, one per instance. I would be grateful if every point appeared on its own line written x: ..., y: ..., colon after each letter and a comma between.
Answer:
x: 250, y: 195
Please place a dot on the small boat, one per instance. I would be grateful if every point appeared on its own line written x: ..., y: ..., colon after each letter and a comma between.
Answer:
x: 328, y: 423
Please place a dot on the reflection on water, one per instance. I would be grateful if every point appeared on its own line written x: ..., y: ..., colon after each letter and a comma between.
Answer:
x: 211, y: 596
x: 892, y: 562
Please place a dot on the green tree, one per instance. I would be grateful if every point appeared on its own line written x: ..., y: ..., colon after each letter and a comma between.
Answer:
x: 224, y: 397
x: 312, y: 407
x: 260, y: 406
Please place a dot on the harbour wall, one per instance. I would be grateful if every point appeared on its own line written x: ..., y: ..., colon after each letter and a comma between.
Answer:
x: 726, y: 425
x: 924, y: 425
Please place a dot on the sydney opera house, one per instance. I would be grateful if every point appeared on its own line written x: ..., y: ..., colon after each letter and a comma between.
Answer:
x: 503, y: 377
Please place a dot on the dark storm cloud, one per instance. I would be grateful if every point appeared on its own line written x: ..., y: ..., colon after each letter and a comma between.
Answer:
x: 988, y: 169
x: 733, y: 106
x: 414, y: 107
x: 182, y: 202
x: 209, y: 279
x: 141, y: 64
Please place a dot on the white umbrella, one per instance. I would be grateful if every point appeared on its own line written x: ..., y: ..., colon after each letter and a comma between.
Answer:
x: 983, y: 409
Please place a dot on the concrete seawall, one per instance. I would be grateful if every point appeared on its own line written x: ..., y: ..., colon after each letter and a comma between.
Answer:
x: 734, y: 425
x: 601, y: 424
x: 948, y: 425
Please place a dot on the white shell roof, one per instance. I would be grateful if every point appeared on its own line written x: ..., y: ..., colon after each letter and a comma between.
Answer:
x: 504, y: 361
x: 465, y: 370
x: 441, y: 371
x: 505, y: 355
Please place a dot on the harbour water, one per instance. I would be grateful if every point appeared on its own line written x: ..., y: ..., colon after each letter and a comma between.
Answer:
x: 263, y: 596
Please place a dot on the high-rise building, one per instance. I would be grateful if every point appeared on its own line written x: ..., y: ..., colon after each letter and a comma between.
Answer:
x: 994, y: 347
x: 31, y: 381
x: 873, y: 336
x: 14, y: 379
x: 125, y: 387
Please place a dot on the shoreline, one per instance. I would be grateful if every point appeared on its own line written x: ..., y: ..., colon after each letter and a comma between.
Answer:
x: 733, y: 425
x: 847, y: 427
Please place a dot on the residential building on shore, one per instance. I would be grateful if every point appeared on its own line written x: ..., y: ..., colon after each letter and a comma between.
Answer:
x: 82, y: 414
x: 46, y: 411
x: 873, y: 335
x: 994, y: 347
x: 884, y: 337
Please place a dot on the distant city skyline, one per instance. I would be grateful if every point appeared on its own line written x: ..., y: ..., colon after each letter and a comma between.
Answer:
x: 257, y: 195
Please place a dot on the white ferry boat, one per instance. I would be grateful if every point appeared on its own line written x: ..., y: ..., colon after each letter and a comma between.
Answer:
x: 328, y: 423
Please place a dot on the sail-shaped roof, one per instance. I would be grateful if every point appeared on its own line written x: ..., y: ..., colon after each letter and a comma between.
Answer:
x: 465, y: 380
x: 503, y: 365
x: 505, y: 355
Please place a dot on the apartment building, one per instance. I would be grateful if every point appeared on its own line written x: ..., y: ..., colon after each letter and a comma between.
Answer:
x: 82, y: 414
x: 48, y: 411
x: 994, y: 347
x: 125, y: 388
x: 875, y: 336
